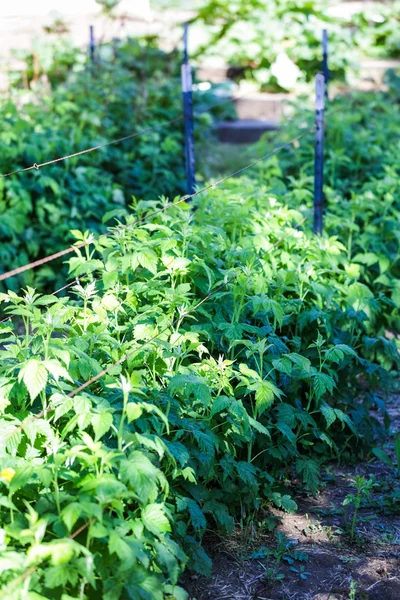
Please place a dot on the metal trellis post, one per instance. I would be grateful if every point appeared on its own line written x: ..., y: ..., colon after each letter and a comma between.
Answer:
x: 319, y: 153
x: 91, y: 43
x: 325, y: 67
x: 186, y: 72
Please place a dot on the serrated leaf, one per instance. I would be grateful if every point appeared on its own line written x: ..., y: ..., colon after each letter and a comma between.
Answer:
x: 141, y: 476
x: 328, y: 413
x: 148, y: 259
x: 258, y: 427
x: 82, y: 405
x: 220, y: 404
x: 133, y: 411
x: 309, y: 469
x: 322, y: 383
x: 34, y: 376
x: 192, y: 386
x: 247, y: 473
x: 288, y: 503
x: 70, y: 514
x: 101, y: 423
x: 283, y: 365
x: 57, y: 370
x: 287, y: 432
x: 265, y: 395
x: 199, y: 560
x: 247, y: 372
x: 155, y: 519
x: 197, y: 517
x: 381, y: 455
x: 21, y: 477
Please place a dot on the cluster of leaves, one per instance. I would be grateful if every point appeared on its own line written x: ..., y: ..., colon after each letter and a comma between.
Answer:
x: 378, y: 29
x: 361, y: 178
x: 135, y: 89
x: 191, y: 412
x: 278, y: 43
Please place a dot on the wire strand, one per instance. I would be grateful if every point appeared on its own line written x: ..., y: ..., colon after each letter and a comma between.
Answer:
x: 170, y: 325
x: 37, y: 166
x: 66, y: 251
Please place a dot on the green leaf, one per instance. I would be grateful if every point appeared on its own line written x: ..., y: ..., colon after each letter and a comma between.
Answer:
x: 258, y: 427
x: 60, y: 576
x: 151, y: 588
x: 133, y: 411
x: 287, y: 432
x: 381, y: 455
x: 247, y: 372
x: 70, y: 514
x: 176, y: 592
x: 397, y: 450
x: 34, y: 376
x: 101, y: 423
x: 57, y: 370
x: 309, y: 469
x: 220, y: 404
x: 300, y: 361
x: 199, y: 560
x: 322, y: 383
x: 338, y: 352
x: 192, y: 386
x: 265, y: 395
x: 21, y: 477
x: 197, y: 517
x: 247, y: 473
x: 148, y: 259
x: 117, y: 545
x: 329, y: 414
x: 155, y: 519
x: 141, y: 475
x: 82, y: 405
x: 283, y: 365
x: 345, y: 419
x: 166, y: 559
x: 288, y: 503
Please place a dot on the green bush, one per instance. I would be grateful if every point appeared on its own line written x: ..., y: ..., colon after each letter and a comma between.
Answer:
x: 193, y: 415
x: 276, y: 43
x: 138, y: 91
x: 361, y: 188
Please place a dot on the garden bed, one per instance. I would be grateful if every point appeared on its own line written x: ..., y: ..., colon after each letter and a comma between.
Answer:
x: 336, y: 565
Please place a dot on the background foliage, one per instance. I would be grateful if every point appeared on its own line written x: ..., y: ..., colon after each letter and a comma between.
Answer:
x: 136, y: 91
x: 207, y: 363
x: 278, y: 43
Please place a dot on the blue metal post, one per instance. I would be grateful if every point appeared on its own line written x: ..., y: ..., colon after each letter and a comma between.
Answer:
x: 325, y: 67
x: 91, y: 43
x: 319, y: 153
x: 186, y: 73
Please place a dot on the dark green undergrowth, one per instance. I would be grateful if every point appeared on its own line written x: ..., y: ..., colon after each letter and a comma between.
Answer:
x: 205, y: 363
x: 208, y: 415
x: 135, y: 89
x: 362, y: 193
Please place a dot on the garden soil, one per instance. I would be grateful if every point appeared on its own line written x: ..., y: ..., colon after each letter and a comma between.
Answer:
x: 337, y: 568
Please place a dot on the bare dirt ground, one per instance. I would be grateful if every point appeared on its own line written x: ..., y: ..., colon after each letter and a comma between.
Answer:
x: 336, y: 567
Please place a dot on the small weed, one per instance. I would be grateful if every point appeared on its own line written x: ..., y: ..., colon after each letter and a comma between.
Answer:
x: 363, y: 490
x: 272, y: 575
x: 284, y: 551
x: 346, y: 559
x: 353, y: 590
x: 301, y: 572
